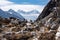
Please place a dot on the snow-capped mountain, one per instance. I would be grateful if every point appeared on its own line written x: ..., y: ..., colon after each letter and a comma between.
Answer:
x: 29, y: 12
x: 34, y: 12
x: 21, y: 12
x: 31, y: 15
x: 15, y: 14
x: 10, y: 13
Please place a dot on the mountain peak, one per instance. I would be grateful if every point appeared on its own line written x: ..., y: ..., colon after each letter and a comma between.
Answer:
x: 35, y: 11
x: 21, y: 11
x: 11, y: 10
x: 29, y: 12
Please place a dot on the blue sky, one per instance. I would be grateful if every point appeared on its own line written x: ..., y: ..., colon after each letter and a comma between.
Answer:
x: 34, y: 2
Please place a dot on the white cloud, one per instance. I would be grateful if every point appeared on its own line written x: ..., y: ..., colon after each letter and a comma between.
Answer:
x: 23, y: 7
x: 5, y: 2
x: 6, y: 5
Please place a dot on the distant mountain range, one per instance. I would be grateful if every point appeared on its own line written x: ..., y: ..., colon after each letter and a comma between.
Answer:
x: 20, y: 14
x: 31, y: 15
x: 10, y: 13
x: 30, y: 12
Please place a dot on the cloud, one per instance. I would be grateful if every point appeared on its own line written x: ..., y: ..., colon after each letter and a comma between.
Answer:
x: 6, y: 5
x: 23, y: 7
x: 5, y: 2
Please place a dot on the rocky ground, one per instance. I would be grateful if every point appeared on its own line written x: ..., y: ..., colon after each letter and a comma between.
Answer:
x: 46, y: 29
